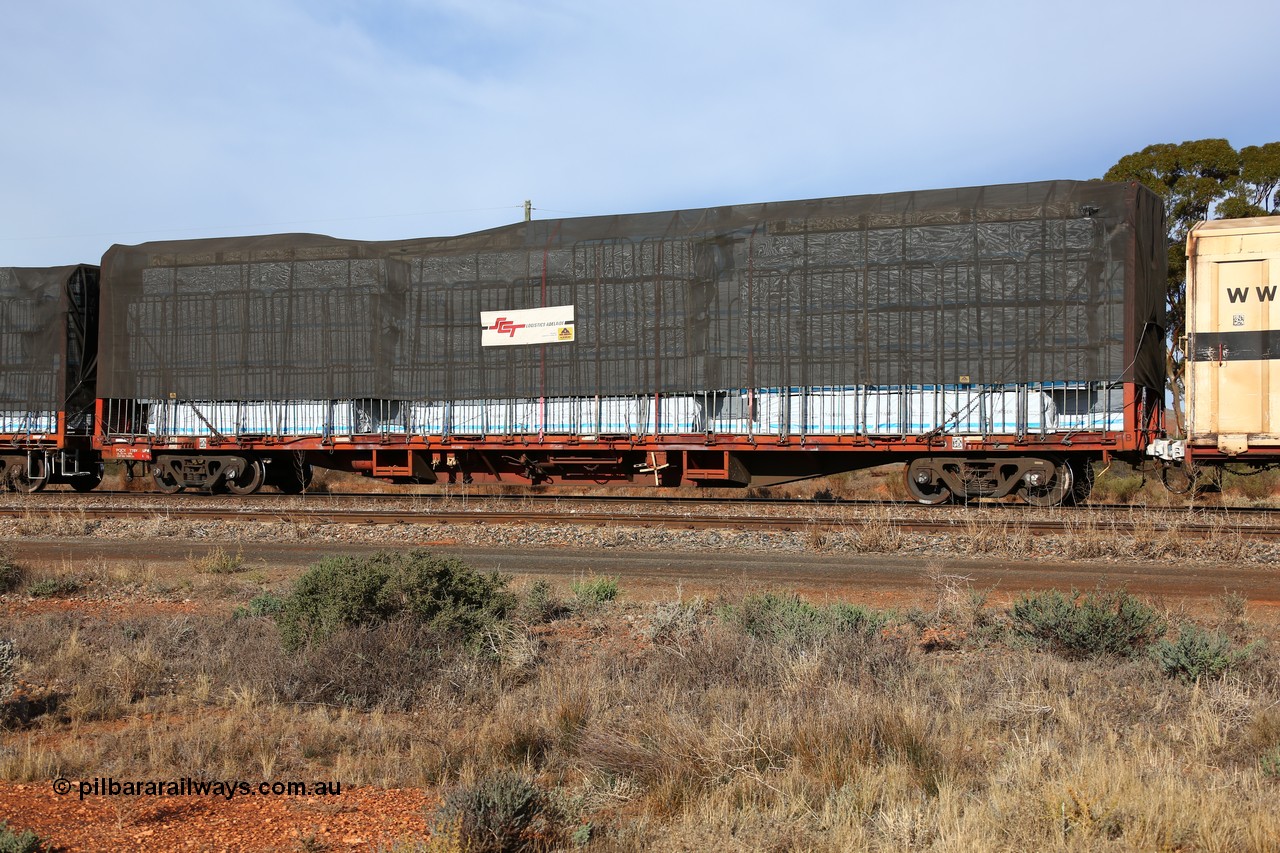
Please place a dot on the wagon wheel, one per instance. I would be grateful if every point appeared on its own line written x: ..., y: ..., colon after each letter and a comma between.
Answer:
x: 165, y: 481
x: 23, y: 482
x: 1082, y: 479
x: 1052, y: 493
x: 86, y: 482
x: 930, y: 494
x: 249, y: 479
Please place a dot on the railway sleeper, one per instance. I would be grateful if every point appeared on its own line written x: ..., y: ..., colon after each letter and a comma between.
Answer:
x: 1038, y: 480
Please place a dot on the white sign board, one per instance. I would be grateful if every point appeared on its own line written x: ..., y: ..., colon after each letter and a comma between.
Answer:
x: 529, y: 326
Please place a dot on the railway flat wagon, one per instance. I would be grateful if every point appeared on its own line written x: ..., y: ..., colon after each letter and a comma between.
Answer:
x: 996, y: 339
x: 48, y: 344
x: 1233, y: 342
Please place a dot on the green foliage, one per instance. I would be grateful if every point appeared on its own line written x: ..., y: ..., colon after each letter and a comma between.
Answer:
x: 790, y: 620
x: 1083, y: 626
x: 265, y: 604
x: 54, y: 587
x: 1197, y: 653
x: 1269, y: 763
x: 11, y: 574
x: 1117, y: 484
x: 1190, y: 176
x: 594, y: 592
x: 19, y: 842
x: 1260, y: 178
x: 501, y: 813
x: 1255, y: 485
x: 539, y: 604
x: 442, y: 592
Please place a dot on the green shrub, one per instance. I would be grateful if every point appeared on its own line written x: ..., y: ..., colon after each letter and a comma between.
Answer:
x: 501, y: 813
x: 790, y: 620
x: 19, y: 842
x: 11, y: 574
x: 1254, y: 486
x: 594, y: 592
x: 1269, y: 762
x: 539, y: 604
x: 1117, y: 486
x: 265, y: 604
x: 54, y: 587
x: 1197, y: 653
x: 443, y: 592
x: 1083, y: 626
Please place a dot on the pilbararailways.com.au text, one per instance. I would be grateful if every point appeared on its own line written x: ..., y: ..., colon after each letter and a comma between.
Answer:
x: 187, y: 787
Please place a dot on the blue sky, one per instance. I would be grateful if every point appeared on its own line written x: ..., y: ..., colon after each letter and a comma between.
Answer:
x: 140, y: 120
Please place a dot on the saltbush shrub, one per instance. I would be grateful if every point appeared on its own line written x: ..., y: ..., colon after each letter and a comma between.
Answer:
x: 501, y: 813
x: 1079, y: 626
x: 790, y: 620
x: 54, y: 587
x: 11, y: 574
x: 1269, y: 763
x: 1197, y: 653
x: 344, y: 591
x: 19, y: 842
x: 539, y: 604
x: 263, y: 604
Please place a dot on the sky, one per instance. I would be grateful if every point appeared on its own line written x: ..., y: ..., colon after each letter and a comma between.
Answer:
x: 137, y: 120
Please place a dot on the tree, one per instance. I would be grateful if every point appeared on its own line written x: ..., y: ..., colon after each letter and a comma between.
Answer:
x: 1199, y: 179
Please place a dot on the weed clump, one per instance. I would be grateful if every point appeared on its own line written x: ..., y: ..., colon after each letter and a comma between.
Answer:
x: 1119, y: 485
x: 790, y: 620
x: 501, y: 813
x: 1269, y: 763
x: 594, y: 592
x: 11, y: 574
x: 19, y: 842
x: 539, y: 604
x: 54, y: 587
x: 347, y: 591
x: 263, y: 604
x: 218, y: 562
x: 1079, y: 626
x: 1197, y: 653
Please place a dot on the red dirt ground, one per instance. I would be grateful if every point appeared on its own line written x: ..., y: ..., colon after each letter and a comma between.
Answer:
x: 358, y: 819
x: 374, y: 818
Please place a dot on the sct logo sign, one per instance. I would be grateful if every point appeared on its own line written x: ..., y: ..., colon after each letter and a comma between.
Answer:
x: 503, y: 326
x: 552, y: 325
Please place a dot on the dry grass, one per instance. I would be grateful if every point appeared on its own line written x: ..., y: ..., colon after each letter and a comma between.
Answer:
x: 671, y: 727
x: 69, y: 522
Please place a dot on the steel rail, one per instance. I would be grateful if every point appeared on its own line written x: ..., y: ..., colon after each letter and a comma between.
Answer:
x: 950, y: 524
x: 269, y: 498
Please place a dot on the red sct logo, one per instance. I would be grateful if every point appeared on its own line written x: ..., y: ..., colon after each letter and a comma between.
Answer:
x: 503, y: 326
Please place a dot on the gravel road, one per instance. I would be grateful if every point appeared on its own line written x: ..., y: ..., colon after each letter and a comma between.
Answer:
x: 658, y: 573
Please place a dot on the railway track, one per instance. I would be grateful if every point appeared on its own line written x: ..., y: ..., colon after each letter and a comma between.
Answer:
x: 44, y: 500
x: 326, y: 512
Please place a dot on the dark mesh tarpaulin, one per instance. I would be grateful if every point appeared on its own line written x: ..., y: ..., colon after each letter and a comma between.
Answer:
x: 1048, y: 282
x: 48, y: 340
